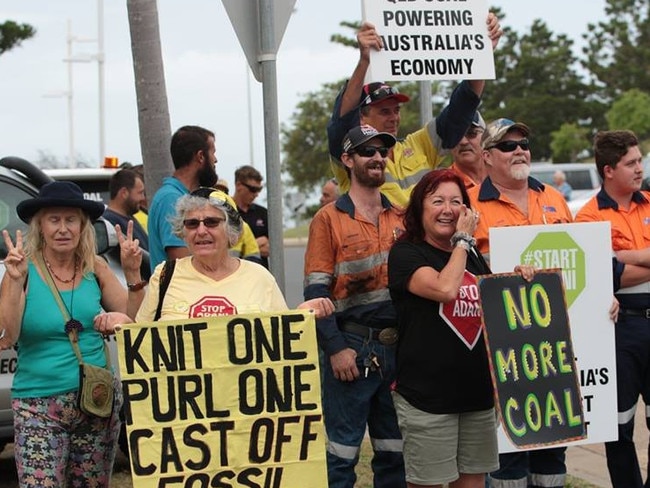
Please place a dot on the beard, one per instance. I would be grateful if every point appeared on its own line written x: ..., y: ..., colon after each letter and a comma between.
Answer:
x: 364, y: 179
x: 520, y: 172
x: 208, y: 175
x: 132, y: 207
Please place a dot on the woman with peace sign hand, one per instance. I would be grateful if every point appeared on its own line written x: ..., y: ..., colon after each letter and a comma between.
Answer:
x: 54, y: 288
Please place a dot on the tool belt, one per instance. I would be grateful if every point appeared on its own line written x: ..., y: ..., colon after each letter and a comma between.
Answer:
x: 635, y: 312
x: 387, y: 336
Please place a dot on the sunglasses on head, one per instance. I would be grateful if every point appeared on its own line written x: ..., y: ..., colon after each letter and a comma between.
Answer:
x: 210, y: 222
x: 379, y: 93
x: 252, y: 189
x: 509, y: 146
x: 369, y: 151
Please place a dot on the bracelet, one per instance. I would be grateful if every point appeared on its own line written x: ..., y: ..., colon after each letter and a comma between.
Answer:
x: 3, y: 333
x: 463, y: 244
x: 137, y: 286
x: 463, y: 237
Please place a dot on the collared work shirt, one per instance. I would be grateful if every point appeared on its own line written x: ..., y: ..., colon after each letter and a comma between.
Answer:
x: 546, y: 205
x: 346, y: 260
x: 630, y: 230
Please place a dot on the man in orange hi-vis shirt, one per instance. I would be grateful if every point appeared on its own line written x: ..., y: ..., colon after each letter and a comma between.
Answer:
x: 509, y: 196
x: 621, y: 202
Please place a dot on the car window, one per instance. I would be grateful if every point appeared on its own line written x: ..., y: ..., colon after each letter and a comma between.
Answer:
x: 579, y: 179
x: 10, y: 196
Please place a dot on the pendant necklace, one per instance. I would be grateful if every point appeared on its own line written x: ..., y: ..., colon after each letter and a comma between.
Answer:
x: 72, y: 326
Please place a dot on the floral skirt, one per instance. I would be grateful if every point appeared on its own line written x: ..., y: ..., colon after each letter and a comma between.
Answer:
x: 56, y: 444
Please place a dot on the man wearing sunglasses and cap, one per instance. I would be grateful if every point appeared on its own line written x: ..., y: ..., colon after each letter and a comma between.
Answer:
x: 378, y: 104
x: 345, y: 260
x: 508, y: 197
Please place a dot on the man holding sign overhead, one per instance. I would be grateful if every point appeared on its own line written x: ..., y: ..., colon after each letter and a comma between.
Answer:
x: 378, y: 104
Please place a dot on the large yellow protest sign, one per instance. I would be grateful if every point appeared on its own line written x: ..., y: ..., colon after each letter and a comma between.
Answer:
x: 224, y: 402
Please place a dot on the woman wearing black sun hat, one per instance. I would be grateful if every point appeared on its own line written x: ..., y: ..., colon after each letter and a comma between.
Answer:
x: 52, y: 292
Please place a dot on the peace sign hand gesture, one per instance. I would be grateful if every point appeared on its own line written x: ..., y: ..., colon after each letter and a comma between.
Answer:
x: 130, y: 251
x: 16, y: 260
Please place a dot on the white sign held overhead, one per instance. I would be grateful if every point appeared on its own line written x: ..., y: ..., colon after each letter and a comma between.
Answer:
x: 425, y: 40
x: 245, y: 18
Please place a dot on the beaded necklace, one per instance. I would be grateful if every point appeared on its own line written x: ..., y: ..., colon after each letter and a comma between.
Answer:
x: 52, y: 273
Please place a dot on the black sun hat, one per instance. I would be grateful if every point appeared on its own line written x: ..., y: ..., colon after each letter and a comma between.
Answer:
x: 59, y: 194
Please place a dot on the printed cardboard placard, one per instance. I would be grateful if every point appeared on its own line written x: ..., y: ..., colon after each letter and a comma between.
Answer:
x: 430, y: 40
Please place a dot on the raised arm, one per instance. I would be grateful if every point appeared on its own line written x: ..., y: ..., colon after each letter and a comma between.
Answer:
x: 12, y: 294
x: 345, y: 114
x: 367, y: 38
x: 494, y: 33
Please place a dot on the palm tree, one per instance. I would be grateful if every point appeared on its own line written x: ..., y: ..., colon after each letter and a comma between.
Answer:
x: 151, y: 92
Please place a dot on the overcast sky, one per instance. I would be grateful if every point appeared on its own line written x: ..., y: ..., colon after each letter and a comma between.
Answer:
x: 205, y: 70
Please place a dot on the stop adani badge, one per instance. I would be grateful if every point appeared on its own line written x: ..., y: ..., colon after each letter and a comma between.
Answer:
x: 531, y: 358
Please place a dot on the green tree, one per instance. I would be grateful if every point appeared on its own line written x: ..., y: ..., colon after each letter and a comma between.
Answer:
x: 304, y: 140
x: 13, y: 34
x: 618, y: 50
x: 569, y: 141
x: 631, y: 111
x: 537, y: 83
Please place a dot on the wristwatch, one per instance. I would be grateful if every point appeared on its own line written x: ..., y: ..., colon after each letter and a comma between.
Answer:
x: 137, y: 286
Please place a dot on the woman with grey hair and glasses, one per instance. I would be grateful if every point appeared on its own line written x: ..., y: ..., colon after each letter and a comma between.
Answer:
x: 208, y: 221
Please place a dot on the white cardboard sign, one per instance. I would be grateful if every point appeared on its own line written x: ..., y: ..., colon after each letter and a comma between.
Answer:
x: 430, y: 40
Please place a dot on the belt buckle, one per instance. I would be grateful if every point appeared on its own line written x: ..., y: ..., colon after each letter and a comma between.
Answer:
x: 388, y: 336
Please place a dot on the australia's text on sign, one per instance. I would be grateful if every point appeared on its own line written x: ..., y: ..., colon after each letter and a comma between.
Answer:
x: 226, y: 401
x: 430, y: 40
x: 531, y: 358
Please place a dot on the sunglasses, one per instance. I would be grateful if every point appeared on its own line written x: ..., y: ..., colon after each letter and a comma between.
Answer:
x: 253, y: 189
x: 369, y: 151
x: 209, y: 222
x: 380, y: 93
x: 509, y: 146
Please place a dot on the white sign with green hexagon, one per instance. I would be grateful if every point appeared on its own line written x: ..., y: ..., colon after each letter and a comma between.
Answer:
x: 558, y: 250
x: 583, y: 253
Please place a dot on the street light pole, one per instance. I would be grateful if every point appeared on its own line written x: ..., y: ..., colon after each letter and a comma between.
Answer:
x: 69, y: 95
x: 72, y: 162
x: 100, y: 75
x: 250, y: 118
